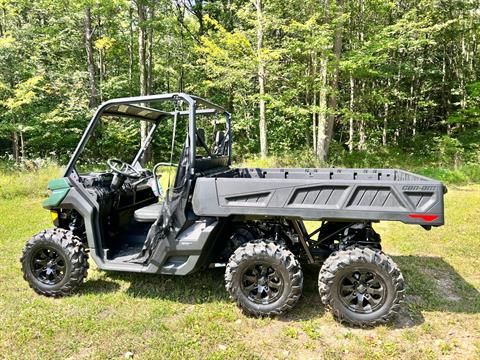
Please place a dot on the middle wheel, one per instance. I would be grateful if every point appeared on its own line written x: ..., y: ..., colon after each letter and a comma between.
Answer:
x: 264, y: 278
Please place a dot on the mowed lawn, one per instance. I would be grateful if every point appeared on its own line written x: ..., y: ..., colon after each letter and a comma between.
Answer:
x: 118, y: 315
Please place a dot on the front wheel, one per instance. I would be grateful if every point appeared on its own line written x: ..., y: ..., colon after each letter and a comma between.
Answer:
x: 362, y: 286
x: 264, y: 278
x: 54, y: 262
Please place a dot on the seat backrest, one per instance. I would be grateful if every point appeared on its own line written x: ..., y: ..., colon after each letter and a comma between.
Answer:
x: 219, y: 142
x: 200, y: 136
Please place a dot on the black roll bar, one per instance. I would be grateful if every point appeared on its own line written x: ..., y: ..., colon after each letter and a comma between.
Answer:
x: 192, y: 111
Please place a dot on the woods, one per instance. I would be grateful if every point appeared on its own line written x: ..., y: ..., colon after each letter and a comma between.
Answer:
x: 328, y: 77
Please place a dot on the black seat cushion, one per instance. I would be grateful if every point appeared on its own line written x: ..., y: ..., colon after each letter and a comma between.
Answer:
x: 148, y: 213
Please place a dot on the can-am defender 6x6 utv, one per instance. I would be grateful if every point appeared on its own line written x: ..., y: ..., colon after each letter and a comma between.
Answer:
x: 249, y: 219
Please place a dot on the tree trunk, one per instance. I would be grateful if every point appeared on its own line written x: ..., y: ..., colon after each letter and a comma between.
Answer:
x: 385, y: 116
x: 314, y: 122
x: 322, y: 114
x: 445, y: 91
x: 142, y: 48
x: 473, y: 53
x: 100, y: 72
x: 142, y: 65
x: 261, y: 80
x: 16, y: 147
x: 22, y: 146
x: 151, y: 16
x: 180, y: 19
x: 361, y: 37
x: 312, y: 73
x: 92, y: 103
x: 168, y: 55
x: 413, y: 105
x: 198, y: 11
x: 463, y: 101
x: 130, y: 50
x: 385, y: 124
x: 101, y: 60
x: 361, y: 130
x: 352, y: 99
x: 181, y: 80
x: 337, y: 51
x: 2, y: 23
x: 414, y: 123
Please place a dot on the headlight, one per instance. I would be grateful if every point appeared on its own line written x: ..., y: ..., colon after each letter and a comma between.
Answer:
x: 54, y: 216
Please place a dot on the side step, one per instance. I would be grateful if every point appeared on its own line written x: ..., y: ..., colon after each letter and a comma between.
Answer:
x: 188, y: 248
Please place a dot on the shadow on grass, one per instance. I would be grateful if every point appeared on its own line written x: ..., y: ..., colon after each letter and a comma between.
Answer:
x: 99, y: 286
x: 432, y: 285
x: 310, y: 306
x: 202, y: 287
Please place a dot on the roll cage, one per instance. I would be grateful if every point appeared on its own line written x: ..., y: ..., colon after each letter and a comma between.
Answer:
x: 134, y: 107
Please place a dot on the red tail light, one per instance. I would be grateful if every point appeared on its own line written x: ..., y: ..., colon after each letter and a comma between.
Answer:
x: 426, y: 218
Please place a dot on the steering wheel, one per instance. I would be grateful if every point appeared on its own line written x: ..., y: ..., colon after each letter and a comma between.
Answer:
x: 123, y: 168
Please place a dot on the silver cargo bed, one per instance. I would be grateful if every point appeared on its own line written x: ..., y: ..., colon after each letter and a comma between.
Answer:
x: 322, y: 194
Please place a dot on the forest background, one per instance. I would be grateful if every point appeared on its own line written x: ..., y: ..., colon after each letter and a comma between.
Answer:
x: 309, y: 83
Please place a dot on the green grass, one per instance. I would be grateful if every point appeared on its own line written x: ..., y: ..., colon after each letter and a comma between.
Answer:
x: 14, y: 184
x: 191, y: 317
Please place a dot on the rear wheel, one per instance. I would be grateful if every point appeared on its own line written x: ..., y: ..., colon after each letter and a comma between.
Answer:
x: 264, y: 278
x: 362, y: 286
x: 54, y: 262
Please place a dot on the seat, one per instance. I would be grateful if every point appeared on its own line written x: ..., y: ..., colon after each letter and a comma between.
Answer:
x: 219, y: 143
x: 148, y: 213
x: 200, y: 136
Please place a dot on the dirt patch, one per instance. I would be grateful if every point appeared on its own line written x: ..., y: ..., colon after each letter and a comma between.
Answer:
x: 404, y: 318
x: 444, y: 283
x: 82, y: 354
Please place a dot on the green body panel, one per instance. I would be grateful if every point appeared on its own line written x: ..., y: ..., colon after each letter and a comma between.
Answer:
x: 60, y: 189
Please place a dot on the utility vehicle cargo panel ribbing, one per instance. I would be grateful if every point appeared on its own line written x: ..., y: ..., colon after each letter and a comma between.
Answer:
x: 322, y: 194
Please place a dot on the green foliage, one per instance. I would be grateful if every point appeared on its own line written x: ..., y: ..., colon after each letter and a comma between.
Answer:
x: 469, y: 113
x: 294, y: 159
x: 461, y: 175
x: 407, y: 80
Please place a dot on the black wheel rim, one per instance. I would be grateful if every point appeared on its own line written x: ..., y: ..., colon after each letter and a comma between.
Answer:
x: 262, y: 283
x: 48, y: 265
x: 362, y: 291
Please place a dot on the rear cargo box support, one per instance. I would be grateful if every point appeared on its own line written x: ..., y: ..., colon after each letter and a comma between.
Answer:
x: 301, y: 231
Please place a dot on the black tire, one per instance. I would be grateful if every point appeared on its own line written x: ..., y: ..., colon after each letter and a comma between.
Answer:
x: 54, y: 262
x: 362, y: 286
x: 264, y: 278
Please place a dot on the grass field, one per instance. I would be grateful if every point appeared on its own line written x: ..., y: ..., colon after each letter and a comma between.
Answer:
x: 116, y: 315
